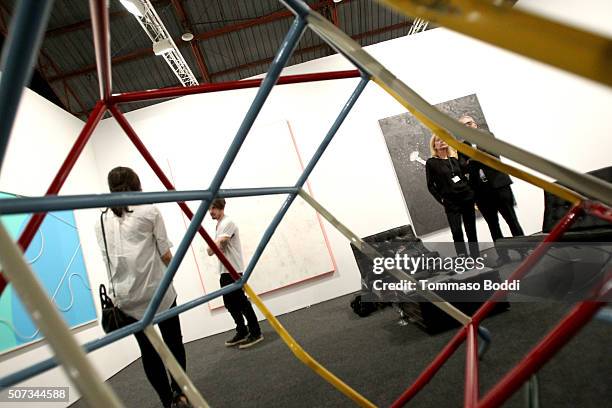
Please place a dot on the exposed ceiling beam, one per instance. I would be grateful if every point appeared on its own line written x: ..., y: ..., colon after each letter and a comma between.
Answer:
x: 333, y: 12
x: 86, y: 24
x: 195, y: 46
x: 300, y: 51
x: 145, y: 52
x: 43, y: 68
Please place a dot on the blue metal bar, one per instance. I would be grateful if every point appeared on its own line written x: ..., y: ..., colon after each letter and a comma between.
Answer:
x: 18, y: 57
x: 317, y: 24
x: 281, y: 58
x: 298, y: 7
x: 22, y: 205
x: 305, y: 174
x: 483, y: 346
x: 605, y: 314
x: 93, y: 345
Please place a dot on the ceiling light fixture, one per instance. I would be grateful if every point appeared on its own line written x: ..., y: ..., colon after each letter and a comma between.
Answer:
x: 163, y: 44
x: 134, y: 6
x: 162, y: 47
x: 187, y: 36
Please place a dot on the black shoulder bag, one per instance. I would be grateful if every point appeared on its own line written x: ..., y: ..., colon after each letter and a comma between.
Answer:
x: 112, y: 317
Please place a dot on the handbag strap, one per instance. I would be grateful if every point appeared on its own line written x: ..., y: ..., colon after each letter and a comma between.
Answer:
x: 110, y: 277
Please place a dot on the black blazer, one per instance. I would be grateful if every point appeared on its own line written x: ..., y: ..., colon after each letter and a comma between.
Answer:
x: 495, y: 179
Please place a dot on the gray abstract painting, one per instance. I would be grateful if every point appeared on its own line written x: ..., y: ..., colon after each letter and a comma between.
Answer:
x: 408, y: 144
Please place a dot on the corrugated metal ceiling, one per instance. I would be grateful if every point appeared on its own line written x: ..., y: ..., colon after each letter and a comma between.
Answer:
x: 237, y: 38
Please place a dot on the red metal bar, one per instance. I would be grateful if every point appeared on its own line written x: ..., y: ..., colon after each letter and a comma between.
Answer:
x: 541, y: 353
x: 145, y: 52
x: 334, y: 13
x: 101, y: 35
x: 561, y: 227
x: 471, y: 368
x: 599, y: 210
x: 432, y: 369
x: 129, y: 131
x: 225, y: 86
x: 480, y: 314
x: 30, y: 230
x: 307, y: 50
x: 85, y: 24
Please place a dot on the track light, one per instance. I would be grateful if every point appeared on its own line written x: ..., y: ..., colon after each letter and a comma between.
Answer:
x: 134, y: 6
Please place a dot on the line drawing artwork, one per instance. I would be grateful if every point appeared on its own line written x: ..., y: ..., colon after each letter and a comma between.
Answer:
x: 59, y: 250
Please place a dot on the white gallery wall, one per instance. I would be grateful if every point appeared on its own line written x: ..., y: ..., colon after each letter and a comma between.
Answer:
x: 40, y: 140
x: 541, y: 109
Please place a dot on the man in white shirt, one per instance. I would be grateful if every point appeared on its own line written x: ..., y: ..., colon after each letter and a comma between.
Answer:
x: 227, y: 238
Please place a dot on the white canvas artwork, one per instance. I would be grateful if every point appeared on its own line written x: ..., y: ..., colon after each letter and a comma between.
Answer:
x: 298, y: 250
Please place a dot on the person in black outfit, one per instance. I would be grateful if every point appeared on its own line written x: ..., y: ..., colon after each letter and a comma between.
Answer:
x: 448, y: 184
x: 493, y: 195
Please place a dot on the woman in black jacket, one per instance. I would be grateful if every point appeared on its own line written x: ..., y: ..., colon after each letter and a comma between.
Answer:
x: 448, y: 184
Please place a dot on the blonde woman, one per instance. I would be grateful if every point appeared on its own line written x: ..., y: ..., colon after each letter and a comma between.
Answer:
x: 448, y: 184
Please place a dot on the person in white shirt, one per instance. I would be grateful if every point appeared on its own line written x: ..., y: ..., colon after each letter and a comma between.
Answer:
x: 138, y: 251
x: 227, y: 238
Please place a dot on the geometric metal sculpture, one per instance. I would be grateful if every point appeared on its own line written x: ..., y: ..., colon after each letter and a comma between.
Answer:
x: 577, y: 188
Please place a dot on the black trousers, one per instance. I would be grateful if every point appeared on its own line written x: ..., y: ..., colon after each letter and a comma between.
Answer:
x: 500, y: 200
x: 457, y: 212
x: 240, y: 308
x: 152, y: 363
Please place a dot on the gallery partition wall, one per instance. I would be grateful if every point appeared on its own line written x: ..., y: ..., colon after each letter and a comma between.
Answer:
x: 538, y: 38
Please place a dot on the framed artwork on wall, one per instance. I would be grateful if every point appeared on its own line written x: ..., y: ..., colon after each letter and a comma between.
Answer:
x: 407, y: 141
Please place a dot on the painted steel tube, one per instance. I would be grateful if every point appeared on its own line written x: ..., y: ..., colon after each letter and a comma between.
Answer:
x: 598, y: 210
x: 562, y: 46
x: 191, y: 392
x: 18, y: 59
x: 34, y: 223
x: 280, y: 60
x: 471, y: 368
x: 431, y: 369
x: 605, y: 315
x: 482, y: 312
x: 562, y: 226
x: 371, y: 253
x: 483, y: 346
x: 304, y: 357
x: 74, y: 202
x: 93, y: 345
x: 572, y: 186
x: 101, y: 36
x: 226, y: 86
x: 541, y: 353
x: 261, y: 246
x: 129, y: 131
x: 45, y: 315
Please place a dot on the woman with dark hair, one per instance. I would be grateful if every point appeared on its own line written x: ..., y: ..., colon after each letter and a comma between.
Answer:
x: 446, y: 181
x: 133, y: 240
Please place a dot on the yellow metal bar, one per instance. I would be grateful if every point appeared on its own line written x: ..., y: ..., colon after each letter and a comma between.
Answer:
x: 576, y: 185
x: 180, y: 376
x: 571, y: 49
x: 482, y: 157
x: 369, y: 251
x: 68, y: 352
x: 303, y: 356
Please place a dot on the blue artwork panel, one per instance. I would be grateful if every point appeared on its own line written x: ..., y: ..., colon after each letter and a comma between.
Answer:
x: 56, y: 257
